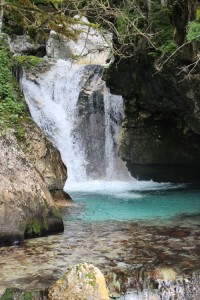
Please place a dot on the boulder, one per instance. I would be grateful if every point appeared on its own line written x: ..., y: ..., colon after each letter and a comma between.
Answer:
x: 26, y: 206
x: 91, y: 46
x: 23, y: 44
x: 83, y: 281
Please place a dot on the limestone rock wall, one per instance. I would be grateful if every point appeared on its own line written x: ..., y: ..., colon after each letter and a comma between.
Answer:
x: 44, y: 157
x: 161, y: 128
x: 91, y: 47
x: 26, y: 206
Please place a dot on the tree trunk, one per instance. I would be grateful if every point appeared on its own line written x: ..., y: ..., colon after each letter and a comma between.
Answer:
x: 182, y: 12
x: 1, y: 14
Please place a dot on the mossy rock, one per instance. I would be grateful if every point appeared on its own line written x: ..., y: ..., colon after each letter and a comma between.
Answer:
x: 8, y: 295
x: 83, y: 281
x: 33, y: 228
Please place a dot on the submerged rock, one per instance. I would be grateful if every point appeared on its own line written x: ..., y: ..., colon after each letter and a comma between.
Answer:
x: 26, y: 206
x: 83, y: 281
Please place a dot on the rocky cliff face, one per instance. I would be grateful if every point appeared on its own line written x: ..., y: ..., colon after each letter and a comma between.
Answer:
x: 91, y: 47
x: 47, y: 161
x: 161, y: 127
x: 26, y: 206
x: 44, y: 157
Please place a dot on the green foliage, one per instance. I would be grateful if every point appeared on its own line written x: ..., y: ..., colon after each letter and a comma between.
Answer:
x: 161, y: 26
x: 193, y: 31
x: 33, y: 228
x: 12, y: 110
x: 129, y: 20
x: 90, y: 278
x: 167, y: 48
x: 28, y: 296
x: 121, y: 24
x: 26, y: 61
x: 198, y: 15
x: 8, y: 295
x: 36, y: 21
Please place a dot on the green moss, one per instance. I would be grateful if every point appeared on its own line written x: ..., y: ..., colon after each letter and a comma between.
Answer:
x: 91, y: 280
x: 45, y: 224
x: 8, y: 295
x: 26, y: 61
x: 56, y: 212
x: 28, y: 296
x: 33, y: 228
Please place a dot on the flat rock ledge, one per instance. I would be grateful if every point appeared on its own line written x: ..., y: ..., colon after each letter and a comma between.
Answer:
x: 27, y: 208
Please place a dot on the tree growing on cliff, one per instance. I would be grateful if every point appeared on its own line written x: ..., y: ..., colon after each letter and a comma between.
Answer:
x: 125, y: 19
x: 157, y: 27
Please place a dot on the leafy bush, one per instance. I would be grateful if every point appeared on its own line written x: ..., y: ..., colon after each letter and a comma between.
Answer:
x: 12, y: 110
x: 168, y: 48
x: 26, y: 61
x: 193, y: 31
x: 161, y: 26
x: 198, y: 15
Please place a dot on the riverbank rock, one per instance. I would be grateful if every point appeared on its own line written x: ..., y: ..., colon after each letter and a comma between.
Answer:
x: 46, y: 160
x: 83, y: 281
x: 91, y: 46
x: 26, y: 206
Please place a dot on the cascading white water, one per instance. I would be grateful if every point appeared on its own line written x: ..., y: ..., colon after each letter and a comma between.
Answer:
x: 112, y: 105
x: 55, y: 105
x: 52, y: 99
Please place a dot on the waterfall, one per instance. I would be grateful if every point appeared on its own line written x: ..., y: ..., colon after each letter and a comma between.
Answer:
x: 75, y: 110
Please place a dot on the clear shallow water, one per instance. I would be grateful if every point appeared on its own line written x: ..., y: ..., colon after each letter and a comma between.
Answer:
x: 127, y: 249
x: 132, y: 200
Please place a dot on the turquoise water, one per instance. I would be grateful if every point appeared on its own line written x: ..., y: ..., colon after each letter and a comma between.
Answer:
x: 111, y: 225
x: 119, y: 201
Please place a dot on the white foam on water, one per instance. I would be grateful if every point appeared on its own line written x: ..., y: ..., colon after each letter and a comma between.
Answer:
x: 116, y: 187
